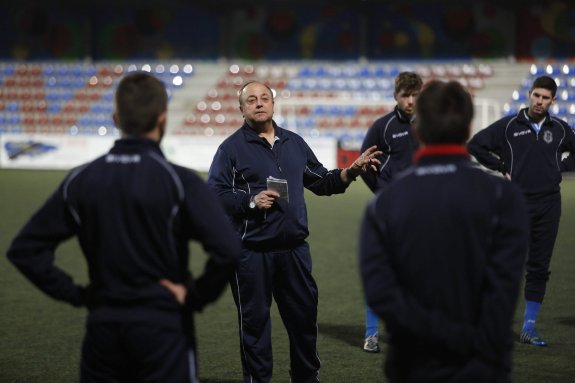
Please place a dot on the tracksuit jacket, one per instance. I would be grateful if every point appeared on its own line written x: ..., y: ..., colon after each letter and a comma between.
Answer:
x: 239, y: 171
x: 442, y: 249
x: 532, y: 159
x: 392, y: 134
x: 134, y: 214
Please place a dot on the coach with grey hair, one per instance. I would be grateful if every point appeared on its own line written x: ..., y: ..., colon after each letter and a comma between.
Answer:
x: 260, y: 173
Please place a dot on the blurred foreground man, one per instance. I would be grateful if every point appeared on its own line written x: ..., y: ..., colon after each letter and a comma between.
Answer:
x: 133, y: 213
x: 441, y: 254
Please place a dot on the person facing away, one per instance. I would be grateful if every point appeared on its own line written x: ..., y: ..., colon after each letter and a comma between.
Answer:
x: 275, y: 257
x: 392, y: 134
x: 442, y: 249
x: 133, y: 213
x: 527, y: 148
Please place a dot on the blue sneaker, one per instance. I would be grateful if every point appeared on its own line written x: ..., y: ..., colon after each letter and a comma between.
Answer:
x: 532, y: 337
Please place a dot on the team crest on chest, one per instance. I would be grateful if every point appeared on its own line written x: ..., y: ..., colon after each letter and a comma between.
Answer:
x: 548, y: 136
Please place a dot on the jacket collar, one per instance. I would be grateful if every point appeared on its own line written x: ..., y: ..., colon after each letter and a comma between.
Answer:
x: 137, y: 143
x: 401, y: 115
x: 522, y: 116
x: 251, y: 135
x: 441, y: 150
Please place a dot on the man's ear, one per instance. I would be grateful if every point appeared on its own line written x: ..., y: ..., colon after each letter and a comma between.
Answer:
x: 469, y: 132
x: 161, y: 123
x: 162, y: 118
x: 415, y: 131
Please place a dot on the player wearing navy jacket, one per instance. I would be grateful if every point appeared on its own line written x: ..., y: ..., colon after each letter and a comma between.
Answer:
x: 133, y: 213
x: 527, y: 149
x: 441, y: 254
x: 393, y: 135
x: 275, y: 258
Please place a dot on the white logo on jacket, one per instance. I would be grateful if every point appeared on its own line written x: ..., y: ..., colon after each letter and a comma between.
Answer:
x: 435, y: 169
x: 548, y: 137
x: 399, y: 135
x: 123, y: 158
x: 521, y: 133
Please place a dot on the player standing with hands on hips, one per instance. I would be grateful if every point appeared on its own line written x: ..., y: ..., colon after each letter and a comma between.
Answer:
x: 275, y: 258
x: 133, y: 213
x: 527, y: 148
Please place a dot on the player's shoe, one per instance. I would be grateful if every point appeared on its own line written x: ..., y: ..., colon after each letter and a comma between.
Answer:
x: 532, y: 337
x: 371, y: 344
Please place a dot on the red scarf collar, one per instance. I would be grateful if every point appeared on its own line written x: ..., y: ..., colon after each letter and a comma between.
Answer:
x: 440, y: 150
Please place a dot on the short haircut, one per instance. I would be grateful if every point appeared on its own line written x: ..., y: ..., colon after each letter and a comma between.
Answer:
x: 140, y: 99
x: 252, y: 82
x: 545, y: 82
x: 444, y: 112
x: 408, y: 81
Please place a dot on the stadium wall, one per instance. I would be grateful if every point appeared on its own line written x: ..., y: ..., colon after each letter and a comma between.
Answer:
x: 310, y: 30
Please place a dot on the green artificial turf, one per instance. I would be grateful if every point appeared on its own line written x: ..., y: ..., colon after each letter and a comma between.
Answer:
x: 40, y: 339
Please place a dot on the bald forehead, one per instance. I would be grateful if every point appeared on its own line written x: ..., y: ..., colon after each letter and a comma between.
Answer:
x: 254, y: 89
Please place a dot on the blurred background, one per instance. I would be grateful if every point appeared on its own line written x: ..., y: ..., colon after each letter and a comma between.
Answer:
x: 331, y: 64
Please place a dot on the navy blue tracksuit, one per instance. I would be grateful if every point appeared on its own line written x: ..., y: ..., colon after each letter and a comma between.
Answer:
x: 275, y: 257
x: 133, y: 213
x: 392, y: 134
x: 534, y: 161
x: 442, y: 250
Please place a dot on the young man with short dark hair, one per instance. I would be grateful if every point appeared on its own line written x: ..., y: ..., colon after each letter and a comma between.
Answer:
x: 134, y: 214
x: 527, y: 148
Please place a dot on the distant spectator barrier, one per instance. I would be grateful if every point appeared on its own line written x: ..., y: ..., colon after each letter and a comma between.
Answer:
x: 21, y: 151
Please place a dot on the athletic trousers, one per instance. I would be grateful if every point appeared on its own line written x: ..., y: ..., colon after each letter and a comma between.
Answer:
x: 544, y: 216
x: 137, y: 351
x: 285, y: 275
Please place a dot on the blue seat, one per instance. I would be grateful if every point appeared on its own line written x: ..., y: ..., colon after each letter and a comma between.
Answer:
x: 558, y: 109
x: 13, y: 119
x: 13, y: 106
x: 7, y: 69
x: 321, y: 71
x: 320, y: 110
x: 61, y: 69
x: 380, y: 72
x: 537, y: 70
x: 306, y: 72
x: 519, y: 95
x: 54, y: 108
x: 365, y: 72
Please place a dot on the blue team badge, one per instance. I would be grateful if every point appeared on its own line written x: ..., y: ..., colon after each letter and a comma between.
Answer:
x: 548, y: 137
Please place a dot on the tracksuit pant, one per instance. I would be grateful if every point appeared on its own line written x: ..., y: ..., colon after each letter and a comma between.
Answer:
x: 285, y: 275
x: 544, y: 215
x: 130, y: 352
